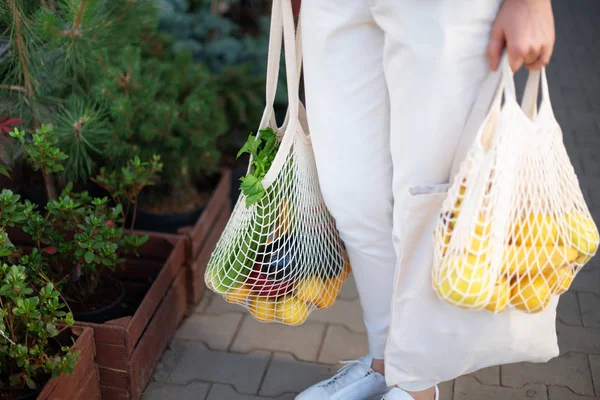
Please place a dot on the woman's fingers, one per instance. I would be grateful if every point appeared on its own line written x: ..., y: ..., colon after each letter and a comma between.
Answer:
x: 526, y: 29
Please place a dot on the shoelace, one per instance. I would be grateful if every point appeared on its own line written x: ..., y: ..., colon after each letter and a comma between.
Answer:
x: 347, y: 365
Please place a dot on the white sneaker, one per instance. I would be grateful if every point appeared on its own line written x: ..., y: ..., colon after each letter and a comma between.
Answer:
x: 354, y: 381
x: 399, y: 394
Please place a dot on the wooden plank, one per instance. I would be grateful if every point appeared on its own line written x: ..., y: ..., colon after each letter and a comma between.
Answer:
x: 115, y: 377
x: 154, y: 296
x: 111, y: 393
x: 160, y: 331
x: 211, y: 212
x: 104, y: 333
x: 91, y: 388
x: 68, y: 386
x: 111, y: 356
x: 198, y: 265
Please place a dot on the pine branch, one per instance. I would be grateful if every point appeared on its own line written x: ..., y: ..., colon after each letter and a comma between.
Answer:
x: 79, y: 17
x: 16, y: 88
x: 22, y: 54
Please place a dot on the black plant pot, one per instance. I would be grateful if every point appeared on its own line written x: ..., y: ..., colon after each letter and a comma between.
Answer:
x: 167, y: 223
x: 10, y: 394
x: 106, y: 313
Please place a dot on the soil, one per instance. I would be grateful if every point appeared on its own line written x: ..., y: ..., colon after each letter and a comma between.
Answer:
x: 105, y: 294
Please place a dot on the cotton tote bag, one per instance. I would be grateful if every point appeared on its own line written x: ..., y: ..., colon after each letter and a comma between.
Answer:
x: 433, y: 339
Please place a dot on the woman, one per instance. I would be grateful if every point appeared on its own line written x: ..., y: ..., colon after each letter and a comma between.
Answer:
x: 389, y: 85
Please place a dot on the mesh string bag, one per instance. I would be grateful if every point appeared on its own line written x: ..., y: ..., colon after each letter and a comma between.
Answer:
x: 280, y: 255
x: 514, y: 230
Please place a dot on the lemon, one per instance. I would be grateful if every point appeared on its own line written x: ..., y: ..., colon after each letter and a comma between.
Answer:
x: 478, y: 245
x: 292, y: 311
x: 332, y: 288
x: 501, y: 296
x: 536, y: 230
x: 263, y: 308
x: 310, y: 289
x: 559, y: 280
x: 482, y: 226
x: 523, y: 259
x: 584, y: 235
x: 531, y: 295
x: 467, y: 282
x: 347, y: 269
x: 239, y: 294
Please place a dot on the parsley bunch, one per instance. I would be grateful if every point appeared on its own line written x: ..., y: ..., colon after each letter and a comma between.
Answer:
x: 263, y: 149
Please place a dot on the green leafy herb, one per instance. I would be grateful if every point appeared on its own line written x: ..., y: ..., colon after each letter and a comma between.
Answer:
x: 263, y: 149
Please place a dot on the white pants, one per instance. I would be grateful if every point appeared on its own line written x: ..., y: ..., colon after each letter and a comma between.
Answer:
x: 389, y: 85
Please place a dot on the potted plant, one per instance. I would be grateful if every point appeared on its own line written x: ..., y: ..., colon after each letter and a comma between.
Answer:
x: 39, y: 350
x: 81, y: 240
x: 159, y: 102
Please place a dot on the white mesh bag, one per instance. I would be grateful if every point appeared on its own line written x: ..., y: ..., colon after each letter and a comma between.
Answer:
x: 515, y: 228
x: 280, y: 255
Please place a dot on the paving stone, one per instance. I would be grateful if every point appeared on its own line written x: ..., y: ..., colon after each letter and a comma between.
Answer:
x: 165, y: 391
x: 578, y: 339
x: 302, y: 341
x: 341, y: 344
x: 562, y: 393
x: 587, y: 280
x: 349, y: 290
x: 488, y: 376
x: 218, y: 305
x: 591, y: 161
x: 168, y: 361
x: 570, y: 370
x: 224, y: 392
x: 216, y: 331
x: 286, y: 374
x: 595, y: 366
x: 568, y: 309
x: 590, y: 309
x: 243, y: 372
x: 446, y: 390
x: 468, y: 388
x: 343, y: 312
x: 204, y: 301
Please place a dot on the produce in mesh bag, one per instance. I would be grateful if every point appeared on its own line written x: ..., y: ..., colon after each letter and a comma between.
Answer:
x: 286, y: 259
x: 515, y: 229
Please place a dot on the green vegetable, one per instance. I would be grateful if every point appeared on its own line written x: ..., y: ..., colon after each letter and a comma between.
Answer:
x: 238, y: 266
x: 240, y: 262
x: 263, y: 150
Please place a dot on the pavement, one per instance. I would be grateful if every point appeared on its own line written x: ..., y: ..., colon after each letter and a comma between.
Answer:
x: 222, y: 353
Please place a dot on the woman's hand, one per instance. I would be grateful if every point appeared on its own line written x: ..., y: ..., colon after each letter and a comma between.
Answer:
x: 526, y: 28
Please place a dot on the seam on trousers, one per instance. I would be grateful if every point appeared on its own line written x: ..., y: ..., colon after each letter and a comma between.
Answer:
x: 400, y: 256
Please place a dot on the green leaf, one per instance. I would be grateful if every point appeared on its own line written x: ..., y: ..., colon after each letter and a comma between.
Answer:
x: 251, y: 146
x: 89, y: 257
x: 51, y: 329
x: 30, y: 383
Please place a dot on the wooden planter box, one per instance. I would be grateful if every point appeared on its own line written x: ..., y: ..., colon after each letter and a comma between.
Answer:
x: 166, y: 278
x: 83, y: 383
x: 203, y: 236
x: 128, y: 348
